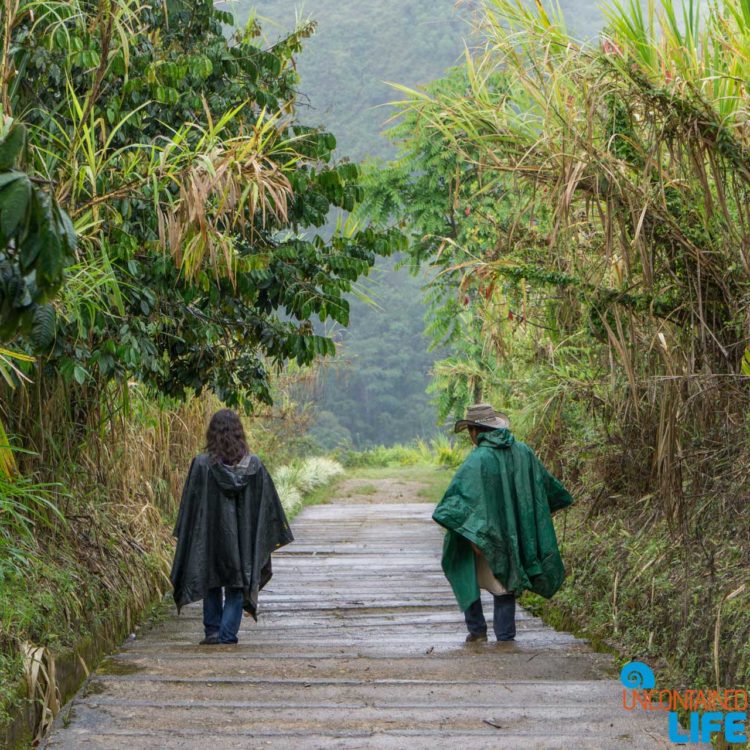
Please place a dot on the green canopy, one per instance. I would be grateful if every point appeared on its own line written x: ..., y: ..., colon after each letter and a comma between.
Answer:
x: 501, y: 499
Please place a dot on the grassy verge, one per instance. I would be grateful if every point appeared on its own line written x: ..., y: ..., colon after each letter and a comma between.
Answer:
x: 81, y: 595
x: 86, y: 571
x: 321, y: 494
x: 632, y: 590
x: 305, y: 481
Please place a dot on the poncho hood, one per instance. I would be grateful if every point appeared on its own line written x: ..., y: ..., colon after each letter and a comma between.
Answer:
x: 232, y: 479
x: 502, y: 438
x: 230, y: 521
x: 501, y: 501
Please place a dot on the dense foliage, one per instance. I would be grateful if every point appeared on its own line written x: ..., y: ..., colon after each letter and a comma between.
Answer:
x: 590, y: 215
x: 628, y: 199
x: 383, y: 358
x: 345, y: 74
x: 439, y: 199
x: 37, y: 241
x: 194, y: 190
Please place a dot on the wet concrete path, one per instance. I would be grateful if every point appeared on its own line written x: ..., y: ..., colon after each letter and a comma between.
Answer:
x: 359, y: 645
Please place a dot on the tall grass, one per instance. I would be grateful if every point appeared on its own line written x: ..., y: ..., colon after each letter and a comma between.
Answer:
x: 27, y: 508
x: 631, y: 160
x: 295, y: 481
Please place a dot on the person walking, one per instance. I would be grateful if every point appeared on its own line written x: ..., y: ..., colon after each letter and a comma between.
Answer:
x: 497, y: 513
x: 230, y: 521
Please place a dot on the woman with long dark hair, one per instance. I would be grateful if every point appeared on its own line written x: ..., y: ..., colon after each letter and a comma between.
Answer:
x: 229, y: 523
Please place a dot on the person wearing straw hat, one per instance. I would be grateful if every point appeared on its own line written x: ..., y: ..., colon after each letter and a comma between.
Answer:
x: 497, y: 513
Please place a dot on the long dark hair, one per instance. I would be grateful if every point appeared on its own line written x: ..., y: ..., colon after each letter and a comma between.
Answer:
x: 225, y: 438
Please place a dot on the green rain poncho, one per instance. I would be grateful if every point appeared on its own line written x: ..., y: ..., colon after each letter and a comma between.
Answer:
x: 501, y: 499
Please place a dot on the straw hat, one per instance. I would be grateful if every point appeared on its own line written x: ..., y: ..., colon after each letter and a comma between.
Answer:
x: 483, y: 415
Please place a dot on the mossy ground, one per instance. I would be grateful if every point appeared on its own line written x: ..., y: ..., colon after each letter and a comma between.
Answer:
x: 68, y: 595
x: 632, y: 590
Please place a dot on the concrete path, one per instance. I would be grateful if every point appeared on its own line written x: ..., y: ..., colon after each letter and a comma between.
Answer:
x: 359, y: 645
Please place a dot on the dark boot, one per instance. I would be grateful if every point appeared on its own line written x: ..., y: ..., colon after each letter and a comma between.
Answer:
x: 475, y: 623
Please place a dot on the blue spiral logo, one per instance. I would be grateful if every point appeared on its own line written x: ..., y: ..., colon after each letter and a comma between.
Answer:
x: 637, y: 675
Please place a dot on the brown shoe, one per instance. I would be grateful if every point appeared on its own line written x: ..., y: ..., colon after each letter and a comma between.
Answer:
x: 476, y: 638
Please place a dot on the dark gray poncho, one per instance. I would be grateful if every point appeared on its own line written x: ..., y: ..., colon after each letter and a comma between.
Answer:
x: 230, y: 521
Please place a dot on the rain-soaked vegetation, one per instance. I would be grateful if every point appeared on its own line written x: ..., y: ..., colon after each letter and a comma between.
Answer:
x: 559, y: 212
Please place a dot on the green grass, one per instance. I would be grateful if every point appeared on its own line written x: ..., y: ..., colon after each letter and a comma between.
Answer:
x: 364, y: 489
x: 437, y: 452
x: 434, y: 492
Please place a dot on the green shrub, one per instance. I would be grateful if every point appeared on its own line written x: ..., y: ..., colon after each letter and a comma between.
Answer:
x: 438, y: 452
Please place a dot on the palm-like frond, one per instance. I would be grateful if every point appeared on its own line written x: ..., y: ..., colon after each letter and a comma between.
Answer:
x: 635, y: 152
x: 224, y: 189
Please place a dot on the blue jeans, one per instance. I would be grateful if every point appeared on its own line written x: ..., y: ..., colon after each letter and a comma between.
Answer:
x: 223, y: 618
x: 503, y: 622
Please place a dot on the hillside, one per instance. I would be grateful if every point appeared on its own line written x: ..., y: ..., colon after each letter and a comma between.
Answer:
x: 345, y: 69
